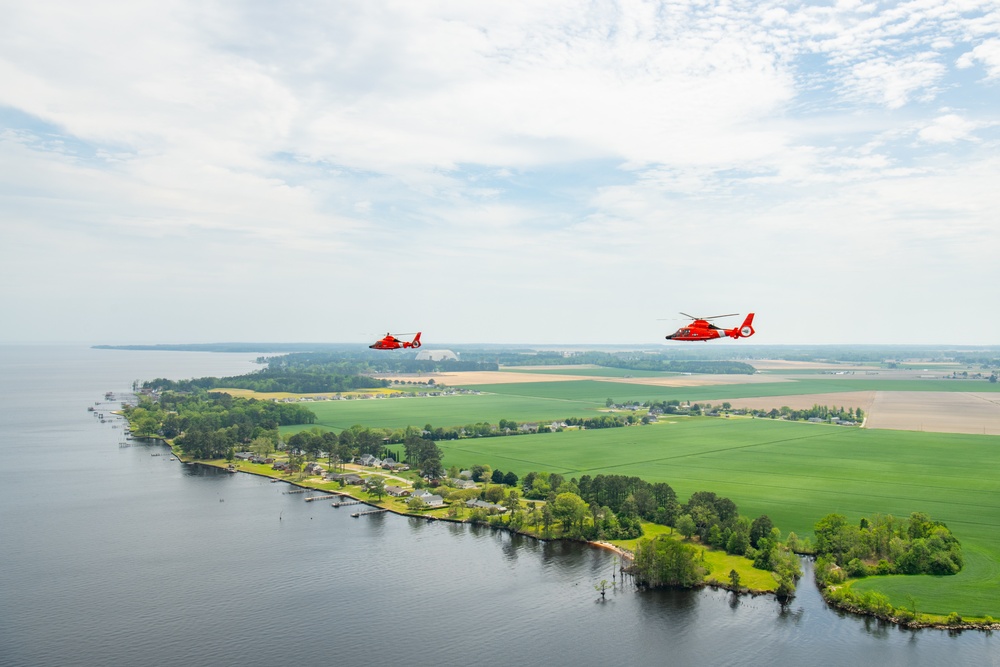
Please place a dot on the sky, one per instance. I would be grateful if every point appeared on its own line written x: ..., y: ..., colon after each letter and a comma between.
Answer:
x: 499, y: 172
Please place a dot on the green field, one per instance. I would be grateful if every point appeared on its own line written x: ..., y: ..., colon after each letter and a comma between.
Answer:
x: 591, y: 371
x: 596, y: 391
x: 446, y: 411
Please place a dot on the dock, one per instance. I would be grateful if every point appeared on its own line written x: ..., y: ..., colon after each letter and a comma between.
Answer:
x: 378, y: 510
x: 326, y: 497
x: 346, y: 502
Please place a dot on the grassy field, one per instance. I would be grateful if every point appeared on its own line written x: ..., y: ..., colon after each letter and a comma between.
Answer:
x: 590, y: 371
x: 447, y: 411
x: 596, y: 391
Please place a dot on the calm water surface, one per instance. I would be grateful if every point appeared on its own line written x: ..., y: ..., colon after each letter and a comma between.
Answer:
x: 113, y: 556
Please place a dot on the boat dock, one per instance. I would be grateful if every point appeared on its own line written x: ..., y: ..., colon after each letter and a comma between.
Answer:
x: 326, y: 497
x: 377, y: 510
x: 346, y: 502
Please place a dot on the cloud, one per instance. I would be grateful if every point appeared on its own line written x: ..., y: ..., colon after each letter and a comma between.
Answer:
x: 948, y: 128
x: 987, y: 54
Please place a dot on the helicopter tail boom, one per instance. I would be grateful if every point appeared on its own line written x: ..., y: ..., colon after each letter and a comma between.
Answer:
x: 745, y: 330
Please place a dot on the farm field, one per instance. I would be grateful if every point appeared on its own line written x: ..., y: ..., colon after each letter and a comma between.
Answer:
x: 597, y: 390
x: 796, y: 473
x: 588, y: 371
x: 446, y: 411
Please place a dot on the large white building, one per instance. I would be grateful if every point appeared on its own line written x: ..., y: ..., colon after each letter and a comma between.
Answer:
x: 436, y: 355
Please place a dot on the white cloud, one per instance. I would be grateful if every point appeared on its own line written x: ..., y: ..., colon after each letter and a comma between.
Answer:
x: 948, y: 128
x: 987, y: 54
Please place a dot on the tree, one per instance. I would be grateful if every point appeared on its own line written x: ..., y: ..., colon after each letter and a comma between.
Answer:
x: 432, y: 468
x: 734, y: 580
x: 664, y: 561
x: 547, y: 517
x: 686, y: 526
x: 761, y: 527
x: 571, y: 510
x: 376, y: 486
x: 262, y: 446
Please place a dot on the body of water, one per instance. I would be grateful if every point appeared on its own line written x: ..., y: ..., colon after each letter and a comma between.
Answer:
x: 119, y: 556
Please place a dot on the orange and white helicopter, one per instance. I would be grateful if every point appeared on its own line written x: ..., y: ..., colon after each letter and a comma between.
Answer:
x: 390, y: 342
x: 703, y: 329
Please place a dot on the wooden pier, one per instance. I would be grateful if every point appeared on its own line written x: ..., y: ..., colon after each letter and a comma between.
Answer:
x: 346, y: 502
x: 326, y: 497
x: 377, y: 510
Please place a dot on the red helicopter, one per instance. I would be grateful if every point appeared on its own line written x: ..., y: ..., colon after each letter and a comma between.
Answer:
x: 390, y: 342
x: 702, y: 329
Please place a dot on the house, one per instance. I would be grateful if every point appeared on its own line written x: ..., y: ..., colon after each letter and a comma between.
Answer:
x: 370, y: 461
x: 476, y: 503
x: 531, y: 427
x: 397, y: 491
x: 433, y: 501
x: 463, y: 483
x: 390, y: 463
x: 243, y: 456
x: 420, y: 493
x: 313, y: 469
x: 346, y: 478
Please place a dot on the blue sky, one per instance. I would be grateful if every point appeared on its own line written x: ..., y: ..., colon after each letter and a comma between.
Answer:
x: 517, y: 172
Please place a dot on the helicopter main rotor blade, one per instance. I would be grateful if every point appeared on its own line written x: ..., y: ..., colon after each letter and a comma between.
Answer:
x: 715, y: 317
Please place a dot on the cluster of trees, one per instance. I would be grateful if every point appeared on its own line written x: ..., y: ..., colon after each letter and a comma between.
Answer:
x: 212, y: 424
x: 483, y: 473
x: 601, y: 421
x: 884, y: 544
x: 295, y: 380
x: 419, y: 452
x: 606, y: 522
x: 816, y: 411
x: 631, y: 496
x: 663, y: 561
